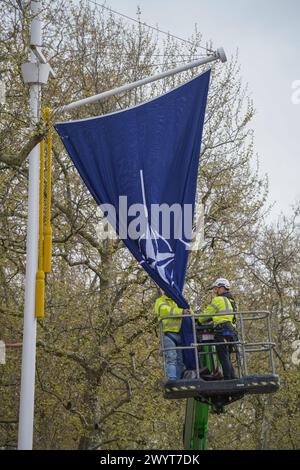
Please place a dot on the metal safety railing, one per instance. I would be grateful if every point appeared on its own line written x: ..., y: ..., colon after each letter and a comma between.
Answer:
x: 241, y: 348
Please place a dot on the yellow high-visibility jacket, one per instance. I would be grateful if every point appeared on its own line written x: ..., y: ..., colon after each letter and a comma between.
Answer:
x: 219, y: 304
x: 165, y: 306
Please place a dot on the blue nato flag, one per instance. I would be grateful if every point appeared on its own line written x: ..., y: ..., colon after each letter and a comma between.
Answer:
x: 150, y: 155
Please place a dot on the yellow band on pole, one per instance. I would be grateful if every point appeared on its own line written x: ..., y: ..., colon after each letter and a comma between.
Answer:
x: 40, y: 295
x: 48, y: 228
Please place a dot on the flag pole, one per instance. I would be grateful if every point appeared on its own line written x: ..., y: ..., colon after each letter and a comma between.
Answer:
x: 218, y: 55
x: 35, y: 74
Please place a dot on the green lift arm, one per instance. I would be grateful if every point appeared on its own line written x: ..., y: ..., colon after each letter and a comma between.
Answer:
x: 196, y: 425
x: 196, y: 413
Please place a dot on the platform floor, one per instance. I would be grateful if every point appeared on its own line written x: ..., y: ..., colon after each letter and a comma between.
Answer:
x: 252, y: 384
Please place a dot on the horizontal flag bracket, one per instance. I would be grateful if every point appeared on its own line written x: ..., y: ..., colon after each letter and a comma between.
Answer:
x: 218, y: 55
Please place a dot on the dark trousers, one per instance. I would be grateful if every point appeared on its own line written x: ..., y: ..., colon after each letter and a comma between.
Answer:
x: 225, y: 333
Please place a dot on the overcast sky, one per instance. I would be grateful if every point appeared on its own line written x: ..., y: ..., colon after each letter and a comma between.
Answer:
x: 267, y: 34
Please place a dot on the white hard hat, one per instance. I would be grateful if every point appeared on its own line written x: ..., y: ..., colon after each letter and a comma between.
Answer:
x: 221, y: 282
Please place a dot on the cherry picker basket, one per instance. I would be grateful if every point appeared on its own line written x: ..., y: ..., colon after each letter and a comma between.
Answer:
x: 206, y: 381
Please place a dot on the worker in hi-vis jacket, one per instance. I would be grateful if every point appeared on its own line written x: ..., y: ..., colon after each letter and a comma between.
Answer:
x: 224, y: 330
x: 166, y: 307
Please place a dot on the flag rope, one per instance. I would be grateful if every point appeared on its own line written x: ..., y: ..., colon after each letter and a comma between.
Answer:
x: 48, y: 227
x: 45, y: 232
